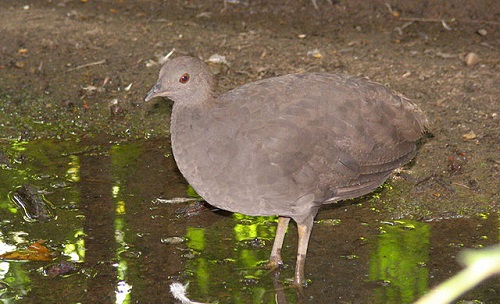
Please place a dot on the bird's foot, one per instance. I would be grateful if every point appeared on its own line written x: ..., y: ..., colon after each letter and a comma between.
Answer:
x: 275, y: 263
x: 299, y: 283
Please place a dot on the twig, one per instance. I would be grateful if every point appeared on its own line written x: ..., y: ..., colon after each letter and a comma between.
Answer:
x: 87, y: 65
x: 416, y: 19
x: 316, y: 4
x: 165, y: 58
x: 176, y: 200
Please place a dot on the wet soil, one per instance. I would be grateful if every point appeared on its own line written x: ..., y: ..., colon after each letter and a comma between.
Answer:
x: 72, y: 122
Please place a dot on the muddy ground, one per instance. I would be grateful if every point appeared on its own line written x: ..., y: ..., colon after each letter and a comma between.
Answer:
x: 80, y: 69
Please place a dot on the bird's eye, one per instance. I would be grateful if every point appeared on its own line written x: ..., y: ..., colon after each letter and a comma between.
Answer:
x: 184, y: 78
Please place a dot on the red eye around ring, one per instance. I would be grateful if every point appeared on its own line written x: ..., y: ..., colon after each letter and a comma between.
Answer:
x: 184, y: 78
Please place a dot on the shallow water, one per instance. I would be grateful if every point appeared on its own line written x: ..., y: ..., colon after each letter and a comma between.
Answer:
x: 110, y: 225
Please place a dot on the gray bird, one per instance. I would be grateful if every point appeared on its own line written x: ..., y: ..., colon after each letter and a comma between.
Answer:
x: 285, y: 145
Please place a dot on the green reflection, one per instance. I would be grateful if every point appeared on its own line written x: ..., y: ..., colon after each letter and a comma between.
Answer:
x: 257, y: 229
x: 122, y: 159
x: 11, y: 175
x: 12, y: 274
x: 18, y: 280
x: 73, y: 172
x: 196, y: 238
x: 46, y: 164
x: 240, y: 254
x: 52, y: 166
x: 76, y: 250
x: 399, y: 260
x: 251, y: 227
x: 199, y: 266
x: 123, y: 289
x: 190, y: 192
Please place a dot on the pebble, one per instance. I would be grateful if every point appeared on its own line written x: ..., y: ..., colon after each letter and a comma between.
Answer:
x: 469, y: 136
x: 218, y: 59
x: 314, y: 54
x: 482, y: 32
x: 173, y: 240
x: 471, y: 59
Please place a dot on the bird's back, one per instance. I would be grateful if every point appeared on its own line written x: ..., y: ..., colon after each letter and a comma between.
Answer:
x: 284, y: 144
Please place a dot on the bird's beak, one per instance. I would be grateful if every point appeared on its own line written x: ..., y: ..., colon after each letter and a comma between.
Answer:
x: 155, y: 91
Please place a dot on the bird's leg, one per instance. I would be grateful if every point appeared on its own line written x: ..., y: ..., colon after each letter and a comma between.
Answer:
x: 275, y: 260
x: 304, y: 228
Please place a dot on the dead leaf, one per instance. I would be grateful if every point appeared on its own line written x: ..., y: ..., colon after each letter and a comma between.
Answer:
x: 34, y: 252
x: 23, y: 51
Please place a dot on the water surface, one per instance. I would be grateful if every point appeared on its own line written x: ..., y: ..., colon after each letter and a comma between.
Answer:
x: 110, y: 226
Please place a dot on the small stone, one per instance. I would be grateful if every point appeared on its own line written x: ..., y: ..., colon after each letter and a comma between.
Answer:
x: 174, y: 240
x: 131, y: 254
x: 115, y: 109
x: 482, y: 32
x: 314, y: 54
x: 471, y: 59
x: 20, y: 64
x: 59, y: 269
x: 469, y: 136
x: 218, y: 59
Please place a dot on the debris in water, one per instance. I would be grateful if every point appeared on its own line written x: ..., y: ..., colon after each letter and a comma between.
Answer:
x: 34, y: 205
x: 179, y: 291
x: 172, y: 240
x: 59, y: 269
x: 175, y: 200
x: 34, y: 252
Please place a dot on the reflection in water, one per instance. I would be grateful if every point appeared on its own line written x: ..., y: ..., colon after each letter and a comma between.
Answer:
x: 399, y: 260
x: 123, y: 158
x: 198, y: 267
x: 16, y: 280
x: 76, y: 250
x: 34, y: 205
x: 123, y: 289
x: 108, y: 226
x: 73, y: 172
x: 211, y: 264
